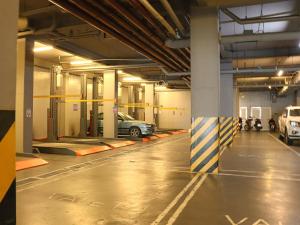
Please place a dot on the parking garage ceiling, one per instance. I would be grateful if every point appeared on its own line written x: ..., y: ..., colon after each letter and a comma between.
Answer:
x: 139, y: 29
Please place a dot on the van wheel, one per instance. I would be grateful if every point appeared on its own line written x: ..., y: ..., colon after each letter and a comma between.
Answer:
x: 287, y: 140
x: 135, y: 132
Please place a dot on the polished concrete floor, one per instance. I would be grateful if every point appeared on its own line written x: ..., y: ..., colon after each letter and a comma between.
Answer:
x: 151, y: 184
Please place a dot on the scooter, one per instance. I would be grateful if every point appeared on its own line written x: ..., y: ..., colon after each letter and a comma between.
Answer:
x: 240, y: 124
x: 248, y: 125
x: 272, y: 125
x: 258, y: 125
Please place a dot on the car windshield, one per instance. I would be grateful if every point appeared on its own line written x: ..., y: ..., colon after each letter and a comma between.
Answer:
x: 125, y: 116
x: 295, y: 112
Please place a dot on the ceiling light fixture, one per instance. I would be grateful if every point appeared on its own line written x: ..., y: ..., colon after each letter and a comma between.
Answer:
x: 270, y: 87
x: 81, y: 62
x: 43, y: 48
x: 131, y: 79
x: 280, y: 73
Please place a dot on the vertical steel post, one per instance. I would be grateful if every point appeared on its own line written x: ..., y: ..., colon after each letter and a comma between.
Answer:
x: 94, y: 128
x: 83, y: 107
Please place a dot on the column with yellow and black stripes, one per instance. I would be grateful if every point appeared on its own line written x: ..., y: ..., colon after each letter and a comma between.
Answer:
x: 205, y: 145
x: 8, y: 23
x: 205, y: 89
x: 226, y: 132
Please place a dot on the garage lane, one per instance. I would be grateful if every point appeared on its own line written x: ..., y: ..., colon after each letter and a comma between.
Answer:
x: 129, y: 189
x: 258, y: 184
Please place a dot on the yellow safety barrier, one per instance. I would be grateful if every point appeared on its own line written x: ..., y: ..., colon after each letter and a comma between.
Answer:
x: 89, y: 100
x: 57, y: 96
x: 130, y: 105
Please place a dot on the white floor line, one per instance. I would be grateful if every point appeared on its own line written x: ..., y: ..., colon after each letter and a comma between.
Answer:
x: 186, y: 200
x: 58, y: 177
x: 287, y: 147
x: 282, y: 172
x: 266, y: 177
x: 175, y: 201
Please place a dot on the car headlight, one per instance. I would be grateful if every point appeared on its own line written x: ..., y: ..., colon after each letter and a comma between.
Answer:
x: 294, y: 124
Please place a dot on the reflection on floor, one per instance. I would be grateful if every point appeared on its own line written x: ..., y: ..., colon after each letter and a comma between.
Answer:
x: 151, y: 184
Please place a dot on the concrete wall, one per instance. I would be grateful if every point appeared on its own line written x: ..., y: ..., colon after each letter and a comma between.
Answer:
x: 175, y: 119
x: 72, y: 109
x: 263, y: 99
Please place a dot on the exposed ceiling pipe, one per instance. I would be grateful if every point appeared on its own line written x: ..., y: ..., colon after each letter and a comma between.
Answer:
x: 149, y: 17
x: 245, y: 71
x: 130, y: 29
x: 131, y: 18
x: 173, y: 15
x: 278, y: 36
x: 101, y: 26
x: 103, y: 68
x: 230, y: 39
x: 258, y: 19
x: 105, y: 20
x: 156, y: 14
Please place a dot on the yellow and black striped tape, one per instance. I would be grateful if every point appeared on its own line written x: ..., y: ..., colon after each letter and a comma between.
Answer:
x: 205, y: 145
x: 226, y: 131
x: 7, y: 168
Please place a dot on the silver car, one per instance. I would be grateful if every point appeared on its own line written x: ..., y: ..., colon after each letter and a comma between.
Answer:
x: 129, y: 126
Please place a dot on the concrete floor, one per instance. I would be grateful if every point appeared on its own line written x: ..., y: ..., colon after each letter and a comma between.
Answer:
x: 151, y: 184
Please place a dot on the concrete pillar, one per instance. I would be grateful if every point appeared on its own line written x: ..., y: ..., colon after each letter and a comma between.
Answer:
x: 110, y: 109
x: 297, y: 97
x: 8, y: 43
x: 236, y: 100
x: 83, y: 107
x: 205, y: 62
x: 149, y: 102
x: 94, y: 128
x: 226, y: 92
x: 205, y: 87
x: 24, y: 95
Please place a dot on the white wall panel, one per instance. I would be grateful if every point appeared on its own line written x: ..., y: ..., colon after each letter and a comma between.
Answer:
x: 175, y: 119
x: 41, y: 86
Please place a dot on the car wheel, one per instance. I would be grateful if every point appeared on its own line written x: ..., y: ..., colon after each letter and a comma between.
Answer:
x: 287, y: 140
x: 135, y: 132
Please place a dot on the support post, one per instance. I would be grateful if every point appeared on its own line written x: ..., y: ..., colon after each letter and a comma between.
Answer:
x: 83, y: 107
x: 8, y: 40
x: 24, y: 95
x: 205, y: 86
x: 94, y: 128
x: 149, y: 102
x: 110, y: 109
x: 52, y: 125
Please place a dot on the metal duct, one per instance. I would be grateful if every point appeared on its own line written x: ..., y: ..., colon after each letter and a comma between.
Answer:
x: 258, y: 19
x: 229, y: 39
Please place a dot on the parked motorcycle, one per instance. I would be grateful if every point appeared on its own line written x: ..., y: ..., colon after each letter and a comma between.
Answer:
x: 248, y: 125
x: 258, y: 125
x: 272, y: 125
x: 240, y: 124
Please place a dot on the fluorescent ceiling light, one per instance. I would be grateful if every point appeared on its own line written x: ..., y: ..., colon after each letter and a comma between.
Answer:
x: 280, y: 73
x: 81, y: 62
x: 130, y: 79
x: 43, y: 48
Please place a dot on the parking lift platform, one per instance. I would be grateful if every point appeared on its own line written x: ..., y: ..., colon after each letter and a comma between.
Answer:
x: 28, y: 161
